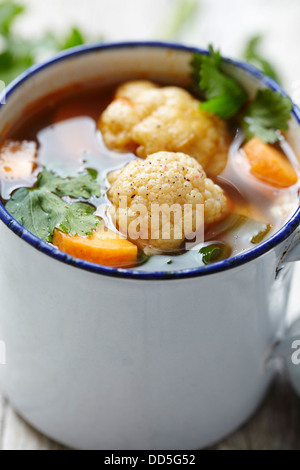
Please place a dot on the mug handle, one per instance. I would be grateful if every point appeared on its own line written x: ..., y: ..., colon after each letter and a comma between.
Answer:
x: 293, y: 253
x: 288, y: 348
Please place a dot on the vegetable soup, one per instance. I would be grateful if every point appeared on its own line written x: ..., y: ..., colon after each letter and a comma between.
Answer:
x: 148, y: 177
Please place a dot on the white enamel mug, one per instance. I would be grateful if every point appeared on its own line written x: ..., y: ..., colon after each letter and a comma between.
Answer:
x: 99, y: 358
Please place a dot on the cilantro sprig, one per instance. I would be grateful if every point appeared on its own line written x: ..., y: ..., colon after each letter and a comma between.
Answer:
x: 83, y: 186
x: 41, y: 209
x: 224, y: 95
x: 267, y: 114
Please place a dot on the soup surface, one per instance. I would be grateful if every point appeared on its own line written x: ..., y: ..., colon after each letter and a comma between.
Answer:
x: 62, y: 135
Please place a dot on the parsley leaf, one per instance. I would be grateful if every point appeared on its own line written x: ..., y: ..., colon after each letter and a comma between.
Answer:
x: 16, y: 56
x: 75, y: 38
x: 76, y: 218
x: 83, y: 186
x: 9, y: 11
x: 25, y: 207
x: 268, y: 113
x: 18, y: 53
x: 213, y: 253
x: 40, y: 210
x: 225, y: 97
x: 196, y: 64
x: 253, y: 56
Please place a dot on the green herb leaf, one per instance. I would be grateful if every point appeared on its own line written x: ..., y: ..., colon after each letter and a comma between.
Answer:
x: 213, y: 253
x: 25, y: 207
x: 83, y: 186
x: 142, y: 258
x: 184, y: 12
x: 75, y: 219
x: 225, y: 97
x: 269, y: 112
x: 253, y: 56
x: 40, y: 210
x: 260, y: 236
x: 213, y: 60
x: 16, y: 54
x: 9, y: 11
x: 196, y: 64
x: 75, y: 38
x: 93, y: 173
x: 15, y: 58
x: 19, y: 53
x: 210, y: 254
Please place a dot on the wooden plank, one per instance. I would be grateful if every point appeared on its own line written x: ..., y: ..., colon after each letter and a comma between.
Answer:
x: 18, y: 435
x: 3, y: 405
x: 276, y: 426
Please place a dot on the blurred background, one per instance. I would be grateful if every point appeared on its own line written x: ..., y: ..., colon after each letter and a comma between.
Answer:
x: 229, y: 24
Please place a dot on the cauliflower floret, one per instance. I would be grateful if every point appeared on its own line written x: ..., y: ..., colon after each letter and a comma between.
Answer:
x: 174, y: 183
x: 132, y: 89
x: 145, y: 118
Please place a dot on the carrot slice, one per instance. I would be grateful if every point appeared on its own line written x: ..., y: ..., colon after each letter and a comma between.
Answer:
x: 104, y: 247
x: 269, y: 165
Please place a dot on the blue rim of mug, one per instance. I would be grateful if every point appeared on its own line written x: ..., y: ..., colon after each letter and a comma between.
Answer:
x: 218, y: 267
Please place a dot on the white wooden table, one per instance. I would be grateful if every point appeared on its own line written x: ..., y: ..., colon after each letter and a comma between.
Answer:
x: 226, y: 24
